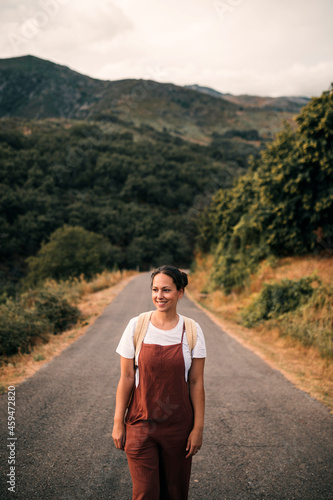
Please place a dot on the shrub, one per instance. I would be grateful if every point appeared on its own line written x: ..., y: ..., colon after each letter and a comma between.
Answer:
x: 70, y: 252
x: 18, y: 328
x: 53, y: 308
x: 36, y: 315
x: 232, y: 270
x: 39, y: 357
x: 277, y: 299
x: 312, y: 324
x: 232, y: 274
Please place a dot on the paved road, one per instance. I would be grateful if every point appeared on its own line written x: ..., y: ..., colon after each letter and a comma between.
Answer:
x: 264, y: 438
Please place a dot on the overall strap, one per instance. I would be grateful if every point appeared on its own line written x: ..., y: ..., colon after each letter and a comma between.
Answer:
x: 140, y: 331
x: 142, y: 326
x: 191, y: 332
x: 183, y: 332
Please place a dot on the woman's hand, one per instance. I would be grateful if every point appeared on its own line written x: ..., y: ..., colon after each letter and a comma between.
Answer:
x: 119, y: 435
x: 194, y: 442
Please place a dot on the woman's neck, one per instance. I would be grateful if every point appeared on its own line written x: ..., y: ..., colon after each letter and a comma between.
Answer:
x: 165, y: 319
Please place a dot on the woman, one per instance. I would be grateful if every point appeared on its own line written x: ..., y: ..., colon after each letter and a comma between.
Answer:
x: 164, y: 424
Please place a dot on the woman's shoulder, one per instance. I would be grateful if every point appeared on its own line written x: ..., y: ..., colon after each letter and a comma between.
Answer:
x: 130, y: 327
x: 192, y: 319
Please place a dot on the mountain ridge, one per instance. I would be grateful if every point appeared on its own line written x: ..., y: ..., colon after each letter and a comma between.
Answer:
x: 283, y: 103
x: 35, y: 88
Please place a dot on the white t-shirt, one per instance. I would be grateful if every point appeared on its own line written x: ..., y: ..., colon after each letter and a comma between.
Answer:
x: 162, y: 337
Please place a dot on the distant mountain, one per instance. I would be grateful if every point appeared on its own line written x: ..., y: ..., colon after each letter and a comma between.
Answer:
x: 34, y: 88
x: 289, y: 104
x: 205, y: 90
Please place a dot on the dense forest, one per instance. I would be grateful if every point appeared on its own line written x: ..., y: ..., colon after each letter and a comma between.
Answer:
x: 282, y: 205
x: 133, y: 162
x: 137, y: 194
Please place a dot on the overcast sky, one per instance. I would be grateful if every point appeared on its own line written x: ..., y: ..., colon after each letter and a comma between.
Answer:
x: 259, y: 47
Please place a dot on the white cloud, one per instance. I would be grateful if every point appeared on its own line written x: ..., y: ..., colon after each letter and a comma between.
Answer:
x: 60, y: 28
x: 239, y: 46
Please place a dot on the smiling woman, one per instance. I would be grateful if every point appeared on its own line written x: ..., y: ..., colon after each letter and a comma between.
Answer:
x: 163, y: 426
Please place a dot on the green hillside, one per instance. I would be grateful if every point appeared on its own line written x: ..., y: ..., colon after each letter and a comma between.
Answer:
x: 133, y: 161
x: 282, y: 205
x: 34, y: 88
x: 288, y: 104
x: 134, y: 188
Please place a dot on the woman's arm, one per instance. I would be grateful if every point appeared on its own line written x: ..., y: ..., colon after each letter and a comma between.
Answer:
x: 124, y: 388
x: 197, y: 395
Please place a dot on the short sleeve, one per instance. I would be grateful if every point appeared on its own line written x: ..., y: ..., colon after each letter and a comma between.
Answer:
x: 126, y: 345
x: 199, y: 350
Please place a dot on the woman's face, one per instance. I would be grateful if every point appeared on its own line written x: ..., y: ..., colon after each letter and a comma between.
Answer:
x: 164, y: 293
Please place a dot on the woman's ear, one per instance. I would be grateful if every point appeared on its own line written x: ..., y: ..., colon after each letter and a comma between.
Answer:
x: 180, y: 293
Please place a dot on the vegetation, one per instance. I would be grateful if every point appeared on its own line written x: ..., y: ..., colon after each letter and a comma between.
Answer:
x: 293, y: 296
x: 55, y: 309
x: 312, y: 323
x: 32, y: 317
x: 281, y: 206
x: 298, y: 310
x: 150, y: 171
x: 71, y: 251
x: 143, y: 153
x: 46, y: 310
x: 37, y: 89
x: 19, y: 327
x: 299, y: 343
x: 276, y: 299
x: 78, y: 174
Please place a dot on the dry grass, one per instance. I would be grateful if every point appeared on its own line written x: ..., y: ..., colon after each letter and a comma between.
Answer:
x: 91, y: 304
x: 303, y: 366
x: 293, y: 268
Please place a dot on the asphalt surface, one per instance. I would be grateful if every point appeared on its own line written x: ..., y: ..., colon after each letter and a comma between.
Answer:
x: 263, y: 437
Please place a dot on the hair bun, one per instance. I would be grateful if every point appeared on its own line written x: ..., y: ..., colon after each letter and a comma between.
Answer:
x: 185, y: 279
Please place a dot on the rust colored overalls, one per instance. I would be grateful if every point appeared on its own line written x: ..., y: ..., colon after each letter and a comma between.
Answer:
x: 158, y: 423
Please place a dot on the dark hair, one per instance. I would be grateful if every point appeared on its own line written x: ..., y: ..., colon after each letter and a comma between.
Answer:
x: 179, y: 277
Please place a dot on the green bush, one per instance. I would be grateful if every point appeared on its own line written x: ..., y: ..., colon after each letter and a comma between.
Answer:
x: 277, y: 299
x: 52, y: 307
x: 70, y: 252
x: 231, y: 274
x: 312, y: 324
x: 18, y: 328
x: 36, y: 315
x: 232, y: 269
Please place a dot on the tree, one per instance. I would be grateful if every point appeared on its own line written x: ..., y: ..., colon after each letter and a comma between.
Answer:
x: 70, y: 252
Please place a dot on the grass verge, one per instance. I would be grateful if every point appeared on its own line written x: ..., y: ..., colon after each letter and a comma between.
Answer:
x: 91, y: 298
x: 302, y: 365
